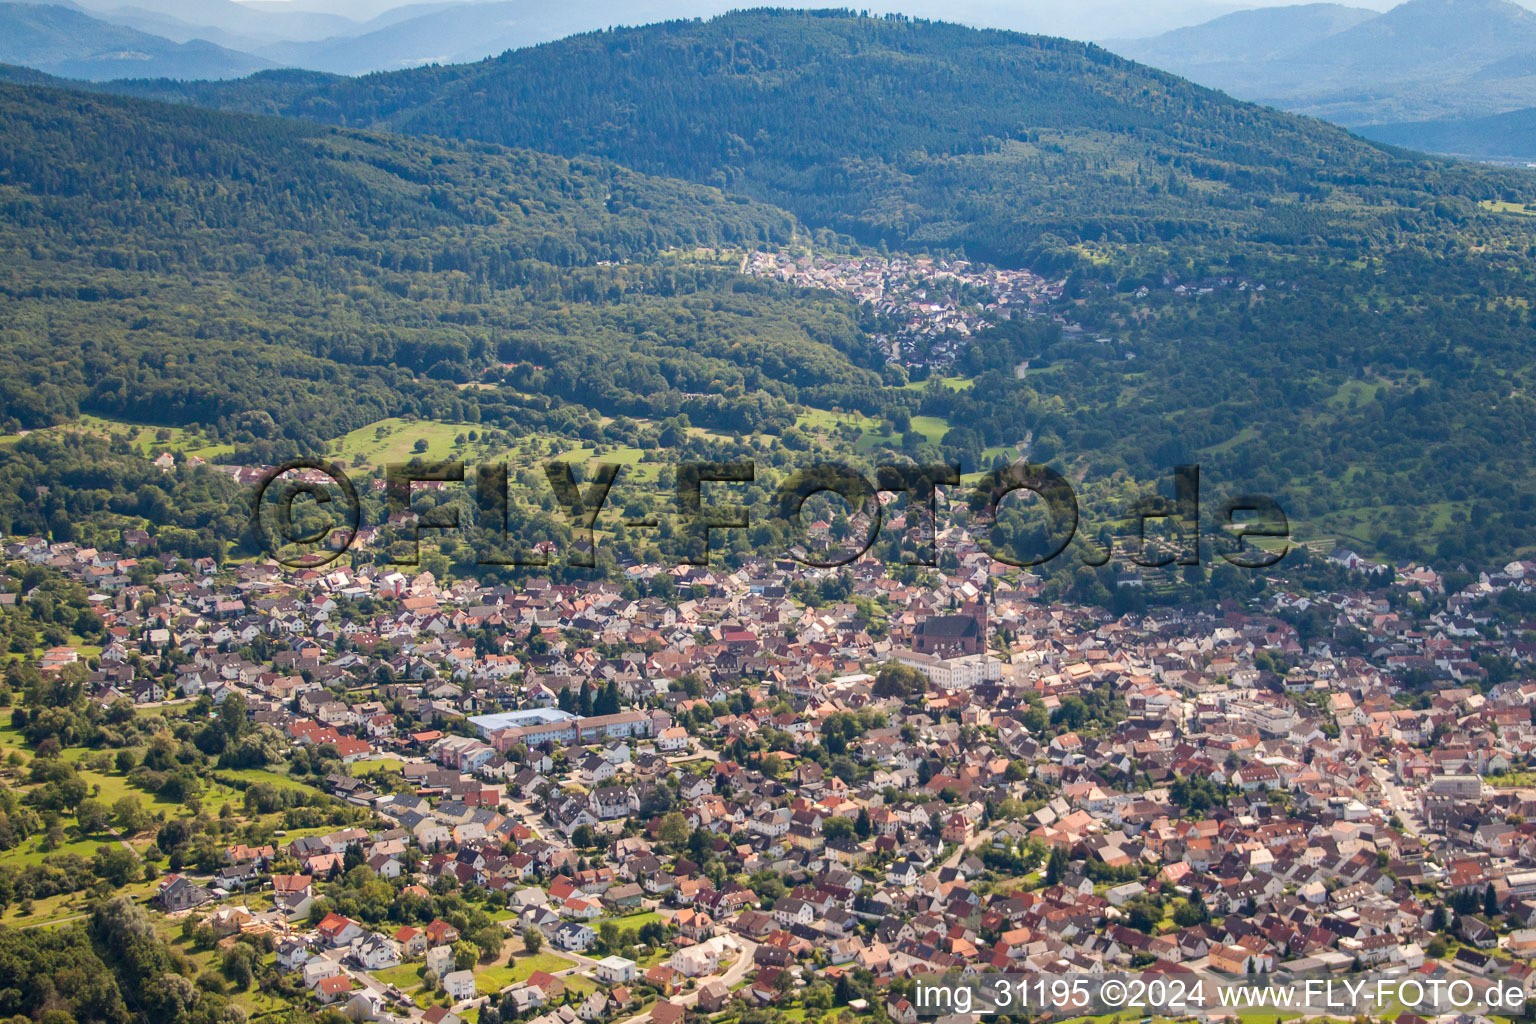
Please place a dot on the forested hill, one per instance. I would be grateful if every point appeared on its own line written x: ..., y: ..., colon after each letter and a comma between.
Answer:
x: 287, y: 282
x: 1333, y: 323
x: 914, y: 133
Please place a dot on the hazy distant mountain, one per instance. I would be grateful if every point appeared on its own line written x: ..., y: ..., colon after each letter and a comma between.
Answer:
x: 1508, y: 137
x: 1227, y: 44
x: 67, y: 42
x: 467, y: 32
x: 359, y: 11
x: 226, y: 22
x: 1433, y: 34
x: 1421, y: 60
x: 741, y: 101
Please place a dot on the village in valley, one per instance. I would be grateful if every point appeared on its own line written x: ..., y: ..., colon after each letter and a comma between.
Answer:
x: 928, y: 310
x: 700, y: 793
x: 934, y: 305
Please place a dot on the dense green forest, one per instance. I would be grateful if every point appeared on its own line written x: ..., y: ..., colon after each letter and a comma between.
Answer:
x: 913, y: 133
x: 283, y: 282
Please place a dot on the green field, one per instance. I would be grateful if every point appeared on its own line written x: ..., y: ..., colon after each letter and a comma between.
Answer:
x: 1500, y: 206
x: 633, y: 922
x: 490, y: 980
x: 375, y: 766
x: 109, y: 787
x: 147, y: 440
x: 394, y: 440
x: 953, y: 383
x: 522, y: 968
x: 873, y: 432
x: 406, y: 977
x: 11, y: 739
x: 254, y: 775
x: 1512, y: 780
x: 30, y: 851
x: 53, y: 910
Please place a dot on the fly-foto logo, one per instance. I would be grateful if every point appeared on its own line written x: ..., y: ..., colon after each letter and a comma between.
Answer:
x: 695, y: 523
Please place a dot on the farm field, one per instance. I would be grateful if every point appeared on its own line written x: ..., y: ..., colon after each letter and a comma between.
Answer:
x: 145, y: 439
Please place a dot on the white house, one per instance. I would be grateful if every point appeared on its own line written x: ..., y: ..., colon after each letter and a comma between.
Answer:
x: 292, y: 954
x: 376, y: 953
x: 615, y: 970
x: 791, y: 911
x: 704, y: 958
x: 574, y: 936
x: 459, y: 985
x: 440, y: 960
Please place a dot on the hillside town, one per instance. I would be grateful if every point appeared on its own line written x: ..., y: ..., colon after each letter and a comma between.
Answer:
x: 697, y: 793
x: 932, y: 304
x: 931, y: 307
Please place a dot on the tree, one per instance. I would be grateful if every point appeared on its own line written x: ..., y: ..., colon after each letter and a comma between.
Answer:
x: 835, y: 828
x: 92, y: 817
x: 1056, y: 865
x: 607, y: 700
x: 239, y: 965
x: 1191, y: 912
x: 487, y: 935
x: 1490, y: 901
x: 1143, y: 915
x: 465, y: 955
x: 232, y: 715
x: 116, y: 865
x: 768, y: 885
x: 533, y: 941
x: 673, y: 830
x: 900, y: 681
x: 700, y: 845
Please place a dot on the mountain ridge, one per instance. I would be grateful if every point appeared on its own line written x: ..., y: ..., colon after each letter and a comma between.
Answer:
x: 459, y: 33
x: 1420, y: 60
x: 64, y: 41
x: 987, y: 162
x: 1262, y: 33
x: 1508, y: 137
